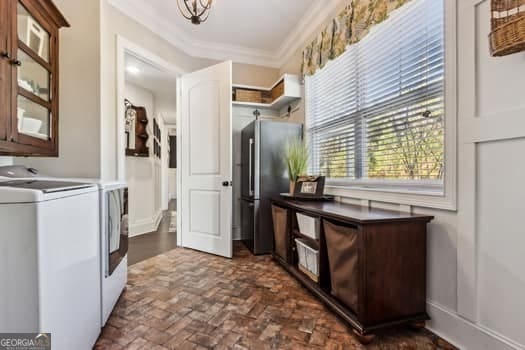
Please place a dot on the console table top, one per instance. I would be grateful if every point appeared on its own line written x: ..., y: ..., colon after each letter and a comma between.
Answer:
x: 351, y: 212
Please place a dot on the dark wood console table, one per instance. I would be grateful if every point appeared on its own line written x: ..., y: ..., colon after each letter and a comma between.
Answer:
x: 390, y: 268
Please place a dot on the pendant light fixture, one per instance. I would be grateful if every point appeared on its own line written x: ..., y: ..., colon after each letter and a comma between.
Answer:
x: 197, y: 11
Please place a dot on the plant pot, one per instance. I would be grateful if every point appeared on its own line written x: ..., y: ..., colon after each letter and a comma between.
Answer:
x: 292, y: 188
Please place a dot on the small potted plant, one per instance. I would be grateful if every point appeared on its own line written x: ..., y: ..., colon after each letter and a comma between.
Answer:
x: 296, y: 160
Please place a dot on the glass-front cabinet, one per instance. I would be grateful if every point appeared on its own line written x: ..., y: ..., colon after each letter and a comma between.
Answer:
x: 29, y: 77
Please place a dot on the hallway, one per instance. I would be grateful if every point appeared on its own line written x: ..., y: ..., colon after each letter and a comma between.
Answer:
x: 152, y: 244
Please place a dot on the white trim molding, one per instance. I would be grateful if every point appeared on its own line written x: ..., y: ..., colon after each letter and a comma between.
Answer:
x: 464, y: 334
x: 145, y: 226
x: 126, y: 46
x: 317, y: 14
x: 6, y: 161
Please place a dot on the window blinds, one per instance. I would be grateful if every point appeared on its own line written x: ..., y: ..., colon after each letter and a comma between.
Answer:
x: 377, y: 111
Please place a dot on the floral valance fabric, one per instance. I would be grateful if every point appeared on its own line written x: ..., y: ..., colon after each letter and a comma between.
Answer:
x: 349, y: 27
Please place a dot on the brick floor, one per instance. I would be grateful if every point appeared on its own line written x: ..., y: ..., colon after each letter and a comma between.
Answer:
x: 189, y: 300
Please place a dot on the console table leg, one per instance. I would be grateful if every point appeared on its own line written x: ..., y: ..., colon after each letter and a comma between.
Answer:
x: 418, y: 325
x: 364, y: 339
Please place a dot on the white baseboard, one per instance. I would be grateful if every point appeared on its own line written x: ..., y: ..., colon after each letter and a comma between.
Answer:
x: 6, y: 161
x: 465, y: 334
x: 145, y: 225
x: 236, y: 233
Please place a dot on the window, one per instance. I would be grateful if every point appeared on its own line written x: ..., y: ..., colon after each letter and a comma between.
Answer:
x: 377, y: 111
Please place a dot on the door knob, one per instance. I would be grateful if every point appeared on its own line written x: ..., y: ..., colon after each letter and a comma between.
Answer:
x: 227, y: 183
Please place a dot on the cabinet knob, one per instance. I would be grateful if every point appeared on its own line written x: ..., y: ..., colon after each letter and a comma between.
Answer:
x: 5, y: 55
x: 17, y: 63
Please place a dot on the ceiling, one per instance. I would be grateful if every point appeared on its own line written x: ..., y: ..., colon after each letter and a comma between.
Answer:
x: 263, y: 32
x: 256, y: 24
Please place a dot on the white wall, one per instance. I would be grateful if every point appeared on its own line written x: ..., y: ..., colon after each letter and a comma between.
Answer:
x: 144, y: 175
x: 163, y: 163
x: 475, y: 275
x: 172, y: 184
x: 491, y: 244
x: 247, y: 74
x: 166, y: 104
x: 166, y: 107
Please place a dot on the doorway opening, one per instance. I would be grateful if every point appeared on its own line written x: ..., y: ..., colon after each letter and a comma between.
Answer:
x: 147, y: 100
x: 201, y: 122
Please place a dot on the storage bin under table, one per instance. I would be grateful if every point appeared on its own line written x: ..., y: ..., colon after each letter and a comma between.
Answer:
x: 280, y: 231
x: 308, y: 225
x: 343, y: 261
x: 308, y: 259
x: 371, y: 262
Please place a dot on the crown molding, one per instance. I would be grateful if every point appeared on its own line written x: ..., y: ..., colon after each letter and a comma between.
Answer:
x: 314, y: 17
x: 318, y: 13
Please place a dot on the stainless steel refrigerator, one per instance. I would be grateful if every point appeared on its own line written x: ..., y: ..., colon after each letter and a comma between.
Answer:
x: 263, y: 175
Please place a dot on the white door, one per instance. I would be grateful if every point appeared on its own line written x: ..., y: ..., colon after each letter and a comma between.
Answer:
x: 206, y: 148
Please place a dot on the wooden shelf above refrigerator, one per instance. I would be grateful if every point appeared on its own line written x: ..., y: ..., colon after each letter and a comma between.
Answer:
x: 280, y: 95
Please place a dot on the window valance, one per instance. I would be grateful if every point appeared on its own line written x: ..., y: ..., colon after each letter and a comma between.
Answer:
x: 349, y: 27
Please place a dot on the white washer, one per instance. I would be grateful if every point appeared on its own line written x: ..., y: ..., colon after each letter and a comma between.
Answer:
x: 112, y: 229
x: 50, y: 260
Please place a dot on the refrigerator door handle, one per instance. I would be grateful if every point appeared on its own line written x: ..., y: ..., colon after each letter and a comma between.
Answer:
x: 250, y: 173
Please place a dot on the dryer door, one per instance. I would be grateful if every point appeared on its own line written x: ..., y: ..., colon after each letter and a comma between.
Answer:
x: 117, y: 228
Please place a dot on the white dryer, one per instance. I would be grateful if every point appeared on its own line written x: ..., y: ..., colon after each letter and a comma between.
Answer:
x: 114, y: 244
x: 50, y: 260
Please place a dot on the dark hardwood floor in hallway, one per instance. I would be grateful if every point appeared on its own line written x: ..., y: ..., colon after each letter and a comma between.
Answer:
x: 154, y: 243
x: 184, y: 299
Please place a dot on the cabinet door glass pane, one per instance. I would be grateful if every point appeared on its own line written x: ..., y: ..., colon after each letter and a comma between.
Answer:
x: 31, y: 33
x: 33, y: 119
x: 33, y: 77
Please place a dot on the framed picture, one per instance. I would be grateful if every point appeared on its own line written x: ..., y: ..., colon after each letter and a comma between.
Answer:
x: 309, y: 186
x: 173, y: 152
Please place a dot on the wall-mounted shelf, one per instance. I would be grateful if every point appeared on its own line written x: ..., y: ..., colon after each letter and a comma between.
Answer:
x: 138, y: 132
x: 280, y: 95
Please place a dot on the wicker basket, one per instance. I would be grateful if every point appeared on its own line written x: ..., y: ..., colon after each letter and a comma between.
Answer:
x: 278, y: 91
x: 243, y: 95
x: 266, y: 97
x: 508, y: 27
